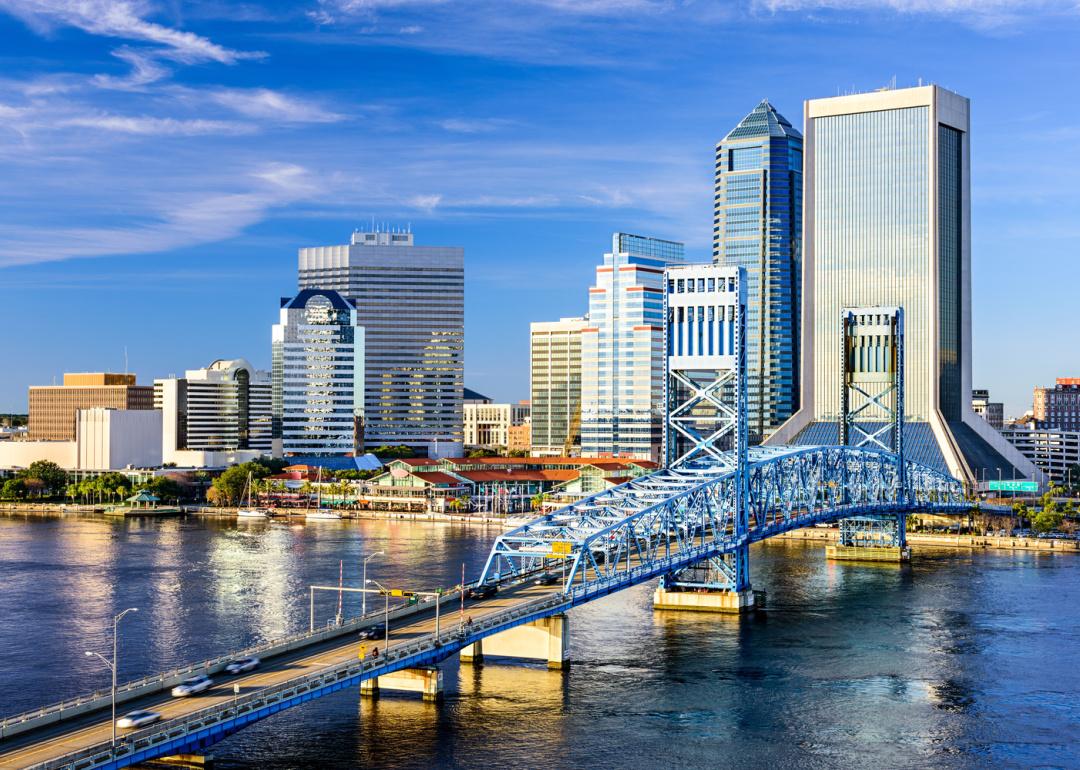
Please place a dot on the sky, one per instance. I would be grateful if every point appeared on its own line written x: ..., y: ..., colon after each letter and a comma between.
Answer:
x: 162, y: 162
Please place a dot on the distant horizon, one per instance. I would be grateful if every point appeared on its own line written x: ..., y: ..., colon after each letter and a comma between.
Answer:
x: 163, y: 165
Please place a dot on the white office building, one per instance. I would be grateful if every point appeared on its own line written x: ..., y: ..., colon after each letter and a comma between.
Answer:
x: 887, y: 224
x: 487, y: 425
x: 622, y: 350
x: 215, y: 416
x: 318, y: 376
x: 411, y: 302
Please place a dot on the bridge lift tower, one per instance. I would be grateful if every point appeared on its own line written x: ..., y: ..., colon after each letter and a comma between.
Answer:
x: 706, y: 419
x: 872, y: 415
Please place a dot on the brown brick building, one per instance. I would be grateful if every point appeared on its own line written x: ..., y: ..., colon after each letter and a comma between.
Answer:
x: 54, y: 408
x: 1058, y: 407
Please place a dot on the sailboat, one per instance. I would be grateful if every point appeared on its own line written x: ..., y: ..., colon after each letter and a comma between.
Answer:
x: 320, y: 512
x: 249, y: 511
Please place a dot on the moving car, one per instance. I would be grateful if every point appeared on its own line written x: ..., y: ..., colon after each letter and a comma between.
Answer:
x: 139, y: 718
x: 243, y: 665
x: 192, y: 685
x: 546, y: 579
x: 372, y: 632
x: 485, y: 591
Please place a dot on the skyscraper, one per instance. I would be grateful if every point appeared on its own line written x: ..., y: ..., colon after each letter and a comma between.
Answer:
x: 318, y: 376
x: 555, y: 386
x: 622, y: 350
x: 757, y: 225
x: 411, y: 302
x: 887, y: 223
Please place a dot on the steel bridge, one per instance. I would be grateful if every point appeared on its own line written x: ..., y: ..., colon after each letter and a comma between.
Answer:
x: 650, y: 527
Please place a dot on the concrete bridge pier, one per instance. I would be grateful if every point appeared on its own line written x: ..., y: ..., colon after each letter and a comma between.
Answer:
x: 426, y: 680
x: 714, y: 585
x: 546, y: 639
x: 188, y: 761
x: 871, y: 538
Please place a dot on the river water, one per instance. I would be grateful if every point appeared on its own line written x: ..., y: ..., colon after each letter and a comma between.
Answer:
x: 959, y: 660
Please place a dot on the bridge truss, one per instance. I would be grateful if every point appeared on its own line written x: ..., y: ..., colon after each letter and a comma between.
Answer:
x: 675, y: 518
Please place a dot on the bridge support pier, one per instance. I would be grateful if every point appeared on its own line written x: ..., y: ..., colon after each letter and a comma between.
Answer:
x: 426, y: 680
x: 188, y: 761
x: 545, y: 639
x: 714, y: 585
x: 871, y: 538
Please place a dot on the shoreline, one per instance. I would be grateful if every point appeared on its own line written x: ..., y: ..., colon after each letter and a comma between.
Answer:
x: 972, y: 542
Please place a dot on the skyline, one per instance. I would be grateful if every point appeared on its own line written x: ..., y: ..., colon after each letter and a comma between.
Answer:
x: 248, y: 149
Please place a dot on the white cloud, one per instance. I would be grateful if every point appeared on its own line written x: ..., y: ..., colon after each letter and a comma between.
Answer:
x: 180, y: 220
x: 145, y: 69
x: 425, y: 202
x: 122, y: 19
x: 983, y: 12
x: 472, y: 125
x: 151, y: 126
x: 273, y: 105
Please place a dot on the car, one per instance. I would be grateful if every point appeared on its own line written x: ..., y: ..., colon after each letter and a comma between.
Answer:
x: 243, y: 665
x: 191, y: 686
x: 546, y: 579
x: 485, y: 591
x: 139, y: 718
x: 372, y: 632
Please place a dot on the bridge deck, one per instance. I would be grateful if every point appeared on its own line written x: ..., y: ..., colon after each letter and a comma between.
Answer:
x: 65, y: 737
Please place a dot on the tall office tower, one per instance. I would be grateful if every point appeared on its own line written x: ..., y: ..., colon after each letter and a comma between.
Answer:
x: 757, y: 225
x: 622, y: 350
x: 411, y: 302
x: 225, y: 407
x: 555, y: 386
x: 886, y: 223
x: 54, y: 408
x: 318, y: 376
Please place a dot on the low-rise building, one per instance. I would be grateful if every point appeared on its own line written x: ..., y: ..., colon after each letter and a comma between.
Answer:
x: 991, y: 411
x: 519, y: 437
x: 1059, y: 407
x: 488, y: 425
x: 53, y: 408
x: 106, y: 439
x: 1053, y: 451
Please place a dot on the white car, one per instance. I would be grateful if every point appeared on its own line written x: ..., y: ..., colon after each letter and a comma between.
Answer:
x: 137, y: 719
x: 243, y: 665
x: 191, y: 686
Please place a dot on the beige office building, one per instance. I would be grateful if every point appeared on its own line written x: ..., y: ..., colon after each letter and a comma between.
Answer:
x: 555, y: 386
x: 54, y: 408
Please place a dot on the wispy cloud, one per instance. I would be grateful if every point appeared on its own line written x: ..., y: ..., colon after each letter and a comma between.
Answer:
x: 150, y: 126
x: 473, y: 125
x: 123, y: 19
x: 265, y: 103
x: 987, y: 13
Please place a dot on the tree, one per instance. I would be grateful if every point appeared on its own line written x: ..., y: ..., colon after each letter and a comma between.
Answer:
x: 393, y: 452
x: 229, y: 486
x: 13, y: 489
x: 1047, y: 520
x: 51, y: 477
x: 481, y: 452
x: 539, y: 500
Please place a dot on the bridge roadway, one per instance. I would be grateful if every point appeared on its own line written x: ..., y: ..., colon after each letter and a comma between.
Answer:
x: 93, y: 729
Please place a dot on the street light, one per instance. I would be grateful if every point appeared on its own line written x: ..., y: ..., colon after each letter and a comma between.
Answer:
x: 386, y: 617
x: 363, y: 609
x: 112, y: 665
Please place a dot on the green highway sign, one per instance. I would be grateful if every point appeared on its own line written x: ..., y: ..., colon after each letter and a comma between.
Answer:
x: 1013, y: 486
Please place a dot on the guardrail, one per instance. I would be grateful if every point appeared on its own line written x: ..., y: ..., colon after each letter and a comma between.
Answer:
x: 138, y: 746
x: 99, y: 699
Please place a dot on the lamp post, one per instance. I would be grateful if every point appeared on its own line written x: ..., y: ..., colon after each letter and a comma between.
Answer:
x: 386, y: 611
x: 363, y: 609
x: 112, y: 666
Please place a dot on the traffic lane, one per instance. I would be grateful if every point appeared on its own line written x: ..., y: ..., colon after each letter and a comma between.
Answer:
x: 98, y: 730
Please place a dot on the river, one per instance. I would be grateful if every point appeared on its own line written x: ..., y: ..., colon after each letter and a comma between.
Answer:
x: 961, y: 659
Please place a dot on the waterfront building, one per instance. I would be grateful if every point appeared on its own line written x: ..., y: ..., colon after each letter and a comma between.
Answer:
x: 555, y: 386
x: 318, y: 376
x: 411, y: 302
x: 1054, y: 451
x: 1059, y: 407
x: 991, y: 411
x: 886, y: 223
x: 54, y: 408
x: 106, y: 439
x: 215, y: 416
x: 487, y: 425
x: 757, y: 225
x: 622, y: 350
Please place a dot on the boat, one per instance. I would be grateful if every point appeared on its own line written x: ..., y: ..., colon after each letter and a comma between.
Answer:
x: 250, y: 511
x: 320, y: 512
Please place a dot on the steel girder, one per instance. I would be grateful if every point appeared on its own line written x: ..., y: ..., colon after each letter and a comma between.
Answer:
x: 677, y: 517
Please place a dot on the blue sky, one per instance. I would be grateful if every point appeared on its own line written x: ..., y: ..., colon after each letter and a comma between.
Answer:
x: 161, y: 162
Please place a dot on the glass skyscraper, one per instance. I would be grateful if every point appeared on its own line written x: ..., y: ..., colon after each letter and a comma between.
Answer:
x: 318, y: 376
x: 887, y: 223
x: 757, y: 225
x: 411, y: 302
x: 622, y: 350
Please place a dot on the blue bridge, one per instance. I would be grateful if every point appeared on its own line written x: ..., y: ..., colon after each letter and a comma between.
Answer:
x: 690, y: 525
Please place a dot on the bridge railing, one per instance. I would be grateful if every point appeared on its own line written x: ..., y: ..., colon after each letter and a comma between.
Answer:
x: 82, y: 704
x: 136, y: 746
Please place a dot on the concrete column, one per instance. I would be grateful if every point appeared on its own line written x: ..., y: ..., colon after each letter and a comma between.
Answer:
x: 721, y: 600
x: 188, y: 761
x: 426, y: 680
x: 545, y: 639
